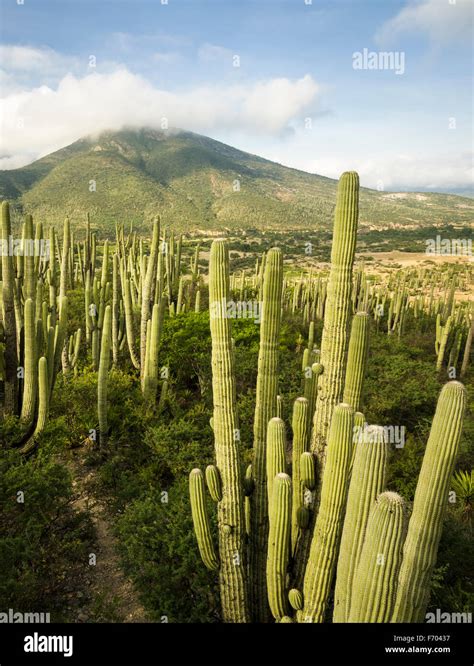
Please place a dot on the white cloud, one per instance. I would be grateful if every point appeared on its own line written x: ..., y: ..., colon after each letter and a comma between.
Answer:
x: 406, y: 171
x: 441, y: 20
x: 38, y: 121
x: 22, y: 60
x: 211, y: 52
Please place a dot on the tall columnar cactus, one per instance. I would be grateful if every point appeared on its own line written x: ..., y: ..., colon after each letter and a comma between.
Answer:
x: 468, y: 345
x: 103, y: 376
x: 325, y: 542
x: 9, y: 319
x: 445, y: 331
x: 201, y: 523
x: 43, y: 405
x: 30, y: 364
x: 147, y: 293
x: 276, y: 452
x: 356, y: 360
x: 338, y: 310
x: 429, y: 506
x: 265, y: 409
x: 300, y: 429
x: 231, y: 521
x: 367, y: 482
x: 279, y: 545
x: 375, y: 581
x: 152, y: 350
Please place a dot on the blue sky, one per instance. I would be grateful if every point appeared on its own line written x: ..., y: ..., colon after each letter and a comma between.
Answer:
x: 295, y: 97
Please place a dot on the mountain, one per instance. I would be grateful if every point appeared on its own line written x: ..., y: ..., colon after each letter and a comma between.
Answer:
x: 194, y: 182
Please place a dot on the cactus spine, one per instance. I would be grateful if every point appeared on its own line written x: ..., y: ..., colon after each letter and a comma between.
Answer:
x: 429, y: 506
x: 265, y: 409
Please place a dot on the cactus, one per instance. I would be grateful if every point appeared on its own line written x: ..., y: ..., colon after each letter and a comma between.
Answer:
x: 300, y: 441
x: 147, y: 294
x: 214, y: 483
x: 279, y: 545
x: 276, y: 452
x: 265, y: 409
x: 43, y: 405
x: 367, y: 482
x: 295, y: 598
x: 429, y: 505
x: 30, y: 367
x: 375, y: 581
x: 338, y: 309
x: 102, y: 379
x: 226, y: 438
x: 307, y: 472
x: 151, y: 370
x: 9, y: 319
x: 356, y: 360
x: 200, y: 516
x: 323, y: 553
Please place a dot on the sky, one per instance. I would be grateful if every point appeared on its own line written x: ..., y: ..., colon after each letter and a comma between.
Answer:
x: 380, y: 86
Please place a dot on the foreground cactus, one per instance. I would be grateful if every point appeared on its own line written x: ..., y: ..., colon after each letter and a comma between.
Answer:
x: 429, y: 506
x: 375, y: 580
x: 279, y: 545
x: 338, y: 309
x: 367, y: 482
x: 265, y: 409
x: 323, y: 554
x: 231, y: 521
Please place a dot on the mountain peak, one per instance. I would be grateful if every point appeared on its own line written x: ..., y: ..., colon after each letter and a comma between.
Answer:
x: 194, y: 181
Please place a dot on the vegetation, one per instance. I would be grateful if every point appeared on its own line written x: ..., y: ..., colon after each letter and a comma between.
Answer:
x: 178, y: 388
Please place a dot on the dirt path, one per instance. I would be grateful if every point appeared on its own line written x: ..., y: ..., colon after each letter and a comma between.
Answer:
x: 108, y: 595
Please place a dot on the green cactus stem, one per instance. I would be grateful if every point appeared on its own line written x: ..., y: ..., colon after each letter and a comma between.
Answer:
x: 375, y: 580
x: 265, y: 409
x: 429, y: 505
x: 367, y: 482
x: 103, y: 376
x: 279, y: 545
x: 201, y: 523
x: 325, y: 542
x: 230, y: 510
x: 356, y: 360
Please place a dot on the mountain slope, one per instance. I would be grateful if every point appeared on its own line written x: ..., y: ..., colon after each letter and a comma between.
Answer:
x: 194, y: 182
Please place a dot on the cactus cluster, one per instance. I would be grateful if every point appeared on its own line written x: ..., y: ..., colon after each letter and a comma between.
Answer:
x: 323, y: 521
